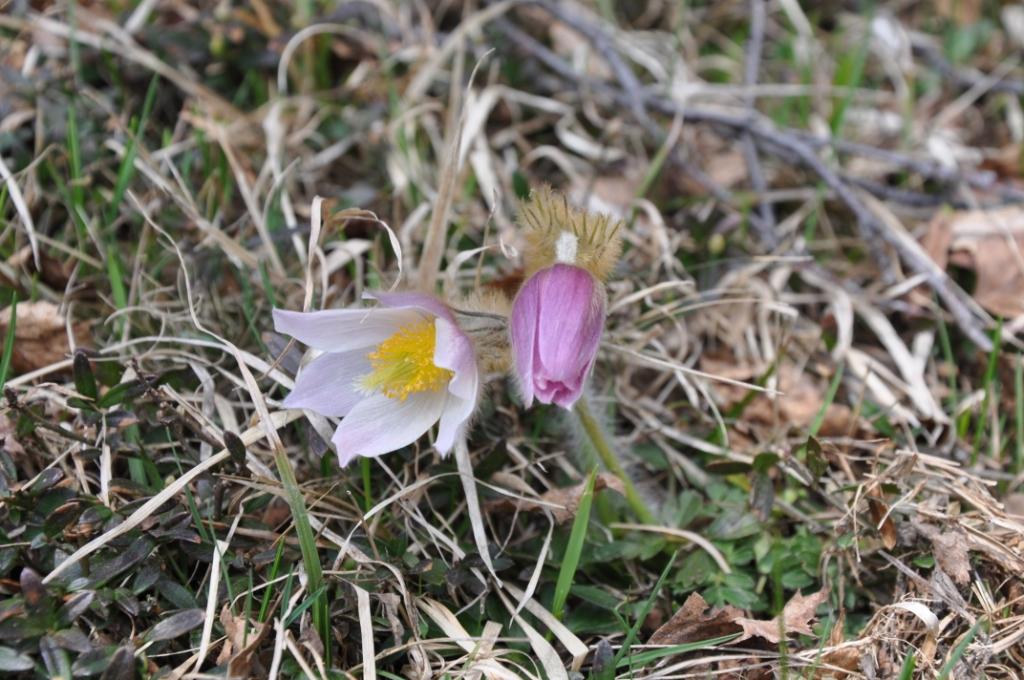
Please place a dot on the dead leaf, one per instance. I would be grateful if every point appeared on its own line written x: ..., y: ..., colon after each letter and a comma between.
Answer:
x: 951, y: 554
x: 950, y: 549
x: 567, y: 500
x: 727, y: 168
x: 1014, y: 503
x: 837, y: 634
x: 8, y: 436
x: 802, y: 395
x: 881, y: 518
x: 40, y: 335
x: 989, y: 242
x: 1005, y: 162
x: 847, y: 658
x: 961, y: 12
x: 796, y: 618
x: 55, y: 273
x: 243, y: 637
x: 691, y: 623
x: 570, y: 43
x: 308, y: 636
x: 610, y: 194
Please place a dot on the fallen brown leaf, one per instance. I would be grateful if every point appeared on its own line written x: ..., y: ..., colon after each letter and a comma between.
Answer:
x: 847, y: 658
x: 692, y: 624
x: 55, y: 273
x: 950, y: 549
x: 567, y: 500
x: 989, y: 242
x: 962, y: 12
x: 40, y: 335
x: 880, y: 516
x: 570, y: 43
x: 951, y: 554
x: 796, y: 618
x: 8, y: 436
x: 243, y: 637
x: 802, y: 396
x: 1005, y: 162
x: 1014, y: 503
x: 727, y: 168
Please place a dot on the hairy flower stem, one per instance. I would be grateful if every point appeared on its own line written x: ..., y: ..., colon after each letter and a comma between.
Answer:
x: 611, y: 461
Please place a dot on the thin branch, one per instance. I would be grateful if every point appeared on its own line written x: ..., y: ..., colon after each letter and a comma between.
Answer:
x: 758, y: 17
x: 873, y: 231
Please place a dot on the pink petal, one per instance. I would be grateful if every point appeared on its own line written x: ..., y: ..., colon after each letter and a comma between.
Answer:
x: 339, y: 330
x: 380, y: 424
x: 327, y: 385
x: 557, y: 320
x: 407, y: 299
x: 523, y: 327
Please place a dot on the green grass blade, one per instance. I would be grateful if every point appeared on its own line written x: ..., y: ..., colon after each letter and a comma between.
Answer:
x: 644, y: 611
x: 947, y: 355
x: 115, y: 272
x: 306, y: 604
x: 577, y: 538
x: 648, y: 656
x: 830, y: 396
x: 819, y: 418
x: 989, y: 384
x: 1018, y: 389
x: 367, y: 473
x: 268, y: 592
x: 849, y: 74
x: 958, y: 651
x: 907, y: 671
x: 127, y: 169
x: 76, y: 193
x: 307, y: 545
x: 5, y: 360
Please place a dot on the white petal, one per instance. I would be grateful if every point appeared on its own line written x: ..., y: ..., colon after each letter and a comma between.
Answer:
x: 454, y: 351
x: 454, y: 417
x: 410, y: 299
x: 339, y: 330
x: 327, y: 385
x: 380, y: 424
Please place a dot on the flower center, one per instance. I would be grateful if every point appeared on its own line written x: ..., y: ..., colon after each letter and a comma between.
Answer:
x: 404, y: 363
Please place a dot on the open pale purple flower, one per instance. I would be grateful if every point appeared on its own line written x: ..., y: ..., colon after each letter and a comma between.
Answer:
x: 391, y: 371
x: 556, y: 325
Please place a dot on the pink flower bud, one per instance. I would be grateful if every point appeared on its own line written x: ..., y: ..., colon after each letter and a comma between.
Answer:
x: 556, y: 325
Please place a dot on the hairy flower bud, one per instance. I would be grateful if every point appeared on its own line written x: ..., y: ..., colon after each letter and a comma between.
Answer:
x: 556, y: 231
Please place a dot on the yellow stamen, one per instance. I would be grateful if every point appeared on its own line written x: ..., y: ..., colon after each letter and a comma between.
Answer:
x: 404, y: 363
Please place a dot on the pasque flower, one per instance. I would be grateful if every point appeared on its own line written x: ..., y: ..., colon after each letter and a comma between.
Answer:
x: 559, y: 313
x: 392, y: 372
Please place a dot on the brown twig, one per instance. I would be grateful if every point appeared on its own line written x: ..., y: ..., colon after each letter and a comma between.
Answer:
x: 965, y: 78
x: 758, y: 17
x: 873, y: 231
